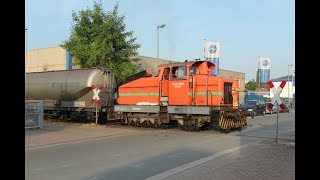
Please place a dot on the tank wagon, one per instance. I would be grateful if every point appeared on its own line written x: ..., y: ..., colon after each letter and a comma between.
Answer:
x: 70, y: 93
x: 184, y: 94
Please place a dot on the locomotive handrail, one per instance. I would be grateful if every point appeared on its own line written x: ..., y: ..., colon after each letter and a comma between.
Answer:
x: 207, y: 89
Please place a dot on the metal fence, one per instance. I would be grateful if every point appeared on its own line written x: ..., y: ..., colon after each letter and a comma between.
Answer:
x: 33, y: 114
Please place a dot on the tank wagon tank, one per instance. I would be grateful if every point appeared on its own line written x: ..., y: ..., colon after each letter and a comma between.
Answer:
x: 185, y: 94
x: 69, y: 93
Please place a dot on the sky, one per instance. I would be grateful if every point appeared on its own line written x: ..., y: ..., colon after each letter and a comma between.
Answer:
x: 246, y: 29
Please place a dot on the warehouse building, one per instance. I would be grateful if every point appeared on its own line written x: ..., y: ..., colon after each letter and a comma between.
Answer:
x: 57, y: 58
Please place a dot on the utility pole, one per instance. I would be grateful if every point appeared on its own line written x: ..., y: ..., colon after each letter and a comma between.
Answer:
x: 161, y: 26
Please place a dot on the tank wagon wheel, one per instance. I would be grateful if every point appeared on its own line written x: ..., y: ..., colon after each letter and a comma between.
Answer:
x: 163, y: 126
x: 137, y: 124
x: 149, y: 124
x: 144, y: 124
x: 192, y: 128
x: 156, y: 125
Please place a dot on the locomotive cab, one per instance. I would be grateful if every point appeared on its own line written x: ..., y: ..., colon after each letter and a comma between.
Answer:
x: 193, y: 84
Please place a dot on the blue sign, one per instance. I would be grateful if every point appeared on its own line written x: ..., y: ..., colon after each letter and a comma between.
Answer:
x: 264, y: 75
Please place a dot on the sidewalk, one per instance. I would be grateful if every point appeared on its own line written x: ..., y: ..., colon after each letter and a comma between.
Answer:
x: 266, y: 160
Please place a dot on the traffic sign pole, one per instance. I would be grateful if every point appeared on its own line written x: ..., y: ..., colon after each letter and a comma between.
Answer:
x: 277, y: 122
x: 96, y: 97
x: 276, y: 101
x: 96, y: 113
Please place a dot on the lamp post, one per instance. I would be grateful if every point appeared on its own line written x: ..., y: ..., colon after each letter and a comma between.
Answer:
x: 25, y: 59
x: 292, y: 71
x: 161, y: 26
x: 290, y: 65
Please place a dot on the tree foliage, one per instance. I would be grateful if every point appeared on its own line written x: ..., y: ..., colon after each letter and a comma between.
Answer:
x: 251, y: 85
x: 258, y: 76
x: 99, y: 39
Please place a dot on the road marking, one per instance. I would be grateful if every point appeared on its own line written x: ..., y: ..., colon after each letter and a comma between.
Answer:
x: 84, y: 140
x: 138, y: 165
x: 174, y: 155
x: 192, y: 164
x: 96, y: 177
x: 66, y: 165
x: 290, y: 130
x: 155, y: 146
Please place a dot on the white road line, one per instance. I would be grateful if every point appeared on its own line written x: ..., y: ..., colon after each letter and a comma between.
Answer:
x: 198, y: 162
x: 174, y: 155
x: 290, y: 130
x: 96, y: 177
x: 84, y: 140
x: 138, y: 165
x: 66, y: 165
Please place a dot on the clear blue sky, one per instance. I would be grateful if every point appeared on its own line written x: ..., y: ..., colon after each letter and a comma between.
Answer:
x: 246, y: 28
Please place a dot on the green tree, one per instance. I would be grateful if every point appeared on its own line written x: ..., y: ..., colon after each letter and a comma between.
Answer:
x: 99, y: 39
x: 258, y: 76
x: 251, y: 85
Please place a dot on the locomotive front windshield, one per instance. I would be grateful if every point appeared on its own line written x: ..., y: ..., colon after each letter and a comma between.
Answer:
x: 179, y: 72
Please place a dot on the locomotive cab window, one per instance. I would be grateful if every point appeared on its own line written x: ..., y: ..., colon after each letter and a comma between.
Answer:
x: 157, y: 73
x: 194, y: 70
x: 228, y: 99
x: 166, y: 73
x: 179, y: 72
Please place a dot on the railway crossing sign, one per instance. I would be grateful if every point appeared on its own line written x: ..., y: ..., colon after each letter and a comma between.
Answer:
x: 276, y: 93
x: 96, y: 94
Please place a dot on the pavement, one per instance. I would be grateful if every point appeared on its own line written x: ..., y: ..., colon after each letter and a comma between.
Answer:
x: 115, y: 152
x: 57, y: 133
x: 264, y: 160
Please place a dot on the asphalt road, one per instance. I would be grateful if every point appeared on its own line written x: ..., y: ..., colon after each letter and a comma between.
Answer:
x: 147, y: 153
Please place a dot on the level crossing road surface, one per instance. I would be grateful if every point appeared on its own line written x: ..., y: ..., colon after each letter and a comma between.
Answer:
x: 112, y: 152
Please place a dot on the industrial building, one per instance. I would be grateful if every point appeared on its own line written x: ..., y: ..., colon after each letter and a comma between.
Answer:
x: 57, y: 58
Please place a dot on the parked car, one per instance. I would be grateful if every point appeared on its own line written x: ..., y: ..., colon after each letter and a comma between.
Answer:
x: 253, y: 107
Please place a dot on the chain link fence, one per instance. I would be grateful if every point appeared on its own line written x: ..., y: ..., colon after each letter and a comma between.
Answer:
x: 33, y: 114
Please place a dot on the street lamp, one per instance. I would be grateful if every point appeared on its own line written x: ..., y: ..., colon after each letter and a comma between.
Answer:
x: 161, y: 26
x: 292, y: 72
x: 25, y: 59
x: 290, y: 65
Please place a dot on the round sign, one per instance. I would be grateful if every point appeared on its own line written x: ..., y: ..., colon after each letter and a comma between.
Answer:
x: 212, y: 49
x: 265, y: 62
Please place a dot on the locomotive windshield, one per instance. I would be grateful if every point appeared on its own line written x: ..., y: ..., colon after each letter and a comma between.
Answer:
x: 179, y: 72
